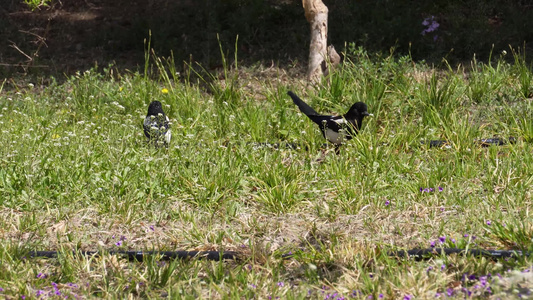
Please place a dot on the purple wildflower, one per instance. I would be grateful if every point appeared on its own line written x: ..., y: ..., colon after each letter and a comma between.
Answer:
x: 41, y: 275
x: 152, y: 227
x: 39, y: 292
x: 431, y: 25
x: 440, y: 189
x: 467, y: 292
x: 437, y: 295
x: 489, y: 222
x: 253, y: 286
x: 381, y: 296
x: 119, y: 243
x: 281, y: 283
x: 453, y: 241
x: 407, y: 297
x: 387, y: 203
x: 1, y: 289
x: 443, y: 267
x: 449, y: 292
x: 483, y: 281
x: 442, y: 239
x: 432, y: 244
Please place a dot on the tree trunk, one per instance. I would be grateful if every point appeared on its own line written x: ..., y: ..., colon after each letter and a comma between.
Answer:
x: 316, y: 14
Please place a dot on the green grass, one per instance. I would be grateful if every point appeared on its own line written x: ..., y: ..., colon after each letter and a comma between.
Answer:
x: 75, y: 173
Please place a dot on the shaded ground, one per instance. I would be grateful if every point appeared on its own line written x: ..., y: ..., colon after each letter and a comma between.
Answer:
x: 77, y: 35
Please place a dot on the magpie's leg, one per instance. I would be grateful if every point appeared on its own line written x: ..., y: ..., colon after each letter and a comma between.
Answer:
x: 337, y: 149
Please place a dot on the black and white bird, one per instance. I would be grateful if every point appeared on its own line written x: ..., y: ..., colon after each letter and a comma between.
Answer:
x: 156, y: 125
x: 335, y: 129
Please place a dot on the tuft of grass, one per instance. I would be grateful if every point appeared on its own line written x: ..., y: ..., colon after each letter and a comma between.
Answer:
x: 439, y: 99
x: 524, y: 73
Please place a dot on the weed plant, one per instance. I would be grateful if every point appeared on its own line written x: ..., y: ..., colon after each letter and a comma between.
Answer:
x: 76, y: 174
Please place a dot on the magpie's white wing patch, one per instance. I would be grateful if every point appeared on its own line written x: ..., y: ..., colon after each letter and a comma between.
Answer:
x: 334, y: 137
x: 339, y: 121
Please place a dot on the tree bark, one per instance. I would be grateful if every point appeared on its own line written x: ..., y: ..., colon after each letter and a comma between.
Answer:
x: 316, y: 14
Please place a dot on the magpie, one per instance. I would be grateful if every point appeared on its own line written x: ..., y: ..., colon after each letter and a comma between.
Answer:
x: 156, y: 124
x: 335, y: 129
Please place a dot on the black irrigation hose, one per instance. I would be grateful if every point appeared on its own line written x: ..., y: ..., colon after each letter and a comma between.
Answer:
x: 481, y: 142
x: 432, y: 143
x: 417, y: 254
x: 420, y: 254
x: 140, y: 255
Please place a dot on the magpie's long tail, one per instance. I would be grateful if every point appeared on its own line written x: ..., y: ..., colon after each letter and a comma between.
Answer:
x: 306, y: 109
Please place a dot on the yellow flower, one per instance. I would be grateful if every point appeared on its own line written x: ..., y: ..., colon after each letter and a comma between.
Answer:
x: 120, y: 89
x: 164, y: 91
x: 55, y: 136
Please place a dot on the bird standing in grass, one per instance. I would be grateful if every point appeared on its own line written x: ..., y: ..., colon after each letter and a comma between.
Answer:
x: 156, y: 125
x: 335, y: 129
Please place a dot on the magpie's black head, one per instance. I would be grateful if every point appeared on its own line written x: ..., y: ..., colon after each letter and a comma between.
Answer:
x: 357, y: 111
x: 155, y: 108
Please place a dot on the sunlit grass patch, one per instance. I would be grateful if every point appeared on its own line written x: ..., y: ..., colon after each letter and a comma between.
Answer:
x: 77, y: 174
